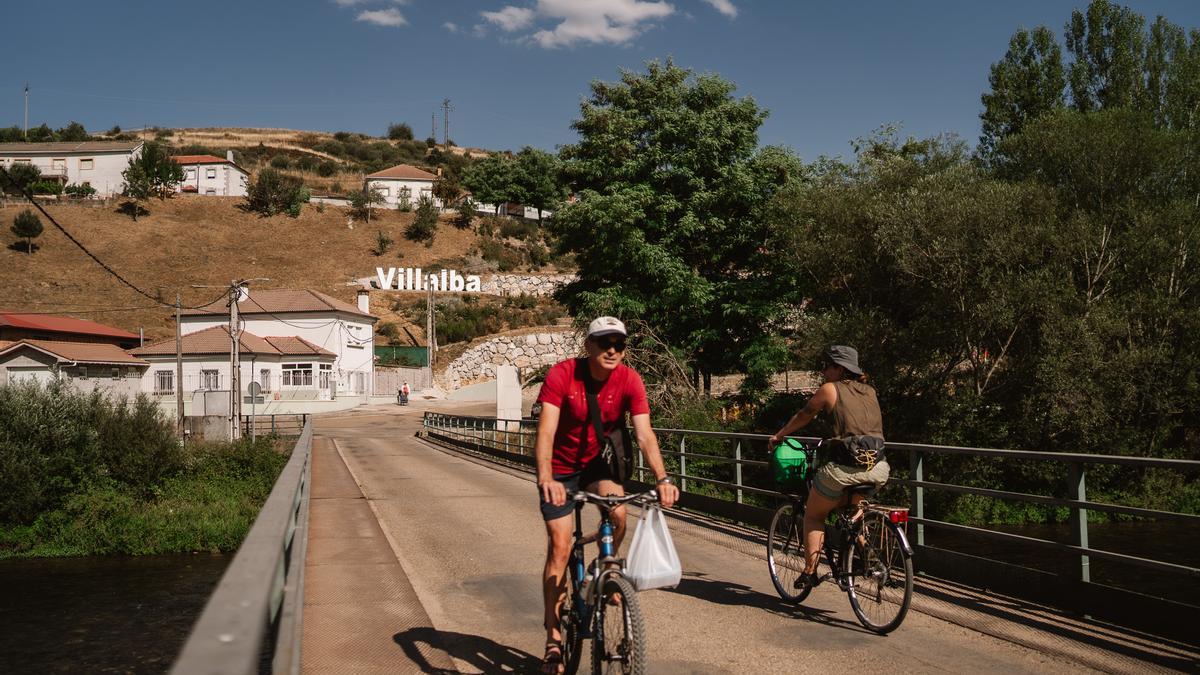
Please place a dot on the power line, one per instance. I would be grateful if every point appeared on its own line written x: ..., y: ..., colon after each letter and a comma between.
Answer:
x: 29, y: 196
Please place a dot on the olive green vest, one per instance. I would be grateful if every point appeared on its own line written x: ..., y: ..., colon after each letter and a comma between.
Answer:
x: 857, y: 411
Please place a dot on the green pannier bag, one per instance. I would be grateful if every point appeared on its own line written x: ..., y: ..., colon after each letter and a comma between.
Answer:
x: 789, y: 464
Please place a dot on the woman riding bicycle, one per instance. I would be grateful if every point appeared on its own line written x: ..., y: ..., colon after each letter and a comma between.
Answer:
x: 568, y: 453
x: 857, y: 446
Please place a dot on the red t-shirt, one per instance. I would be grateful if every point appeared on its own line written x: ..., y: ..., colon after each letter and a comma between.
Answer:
x: 575, y: 442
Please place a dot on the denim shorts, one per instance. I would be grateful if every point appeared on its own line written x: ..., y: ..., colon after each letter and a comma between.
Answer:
x: 596, y: 470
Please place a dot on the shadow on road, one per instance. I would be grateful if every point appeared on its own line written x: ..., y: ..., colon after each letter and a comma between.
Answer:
x: 486, y: 655
x: 726, y: 593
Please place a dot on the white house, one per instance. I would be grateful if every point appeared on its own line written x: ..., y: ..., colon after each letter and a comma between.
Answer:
x: 85, y: 365
x: 286, y: 368
x: 343, y: 329
x: 210, y: 175
x: 95, y: 163
x: 403, y: 183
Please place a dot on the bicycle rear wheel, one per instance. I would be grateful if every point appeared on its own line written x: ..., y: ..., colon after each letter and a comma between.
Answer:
x: 619, y: 640
x: 785, y: 551
x: 881, y: 575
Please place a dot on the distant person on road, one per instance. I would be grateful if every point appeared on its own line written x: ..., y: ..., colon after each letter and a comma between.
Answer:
x: 569, y: 458
x: 856, y: 446
x: 404, y: 394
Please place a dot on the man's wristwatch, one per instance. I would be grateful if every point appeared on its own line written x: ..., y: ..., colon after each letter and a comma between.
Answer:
x: 665, y: 480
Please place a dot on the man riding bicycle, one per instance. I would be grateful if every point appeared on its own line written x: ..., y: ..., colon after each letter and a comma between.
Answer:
x: 857, y: 446
x: 569, y: 453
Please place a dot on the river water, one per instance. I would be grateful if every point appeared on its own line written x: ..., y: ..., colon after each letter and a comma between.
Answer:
x: 101, y: 614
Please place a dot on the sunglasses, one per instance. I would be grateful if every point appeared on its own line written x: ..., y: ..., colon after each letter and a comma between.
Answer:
x: 604, y: 343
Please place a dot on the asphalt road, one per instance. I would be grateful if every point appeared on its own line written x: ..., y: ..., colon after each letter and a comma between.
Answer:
x: 471, y: 541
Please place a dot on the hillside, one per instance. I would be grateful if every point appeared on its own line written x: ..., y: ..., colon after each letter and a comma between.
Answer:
x: 200, y: 240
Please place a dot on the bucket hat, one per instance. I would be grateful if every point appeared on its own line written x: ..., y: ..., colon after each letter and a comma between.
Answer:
x: 846, y: 357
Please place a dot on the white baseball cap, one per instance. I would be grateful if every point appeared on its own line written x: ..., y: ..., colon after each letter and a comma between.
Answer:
x: 606, y: 325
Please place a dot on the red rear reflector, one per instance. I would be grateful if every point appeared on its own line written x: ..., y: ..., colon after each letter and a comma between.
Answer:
x: 898, y: 517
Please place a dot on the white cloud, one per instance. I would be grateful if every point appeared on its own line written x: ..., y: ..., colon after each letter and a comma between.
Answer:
x: 586, y: 21
x: 382, y: 17
x: 450, y: 26
x: 725, y: 7
x: 510, y: 18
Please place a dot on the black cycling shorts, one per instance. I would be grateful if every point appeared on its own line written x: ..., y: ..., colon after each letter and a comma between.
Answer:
x: 596, y: 470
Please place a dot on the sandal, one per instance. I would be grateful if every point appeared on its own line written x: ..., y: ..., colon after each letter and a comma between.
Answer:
x: 807, y: 580
x: 552, y: 662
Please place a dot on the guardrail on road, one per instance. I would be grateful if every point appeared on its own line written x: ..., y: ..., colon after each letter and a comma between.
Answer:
x: 252, y: 620
x: 735, y: 485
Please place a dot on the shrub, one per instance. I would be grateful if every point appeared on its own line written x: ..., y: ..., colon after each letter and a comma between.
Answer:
x: 424, y: 226
x: 518, y: 228
x: 326, y: 169
x: 46, y: 187
x: 272, y: 193
x: 383, y: 242
x: 27, y: 226
x: 389, y: 330
x: 466, y: 214
x: 281, y: 162
x: 306, y: 163
x: 400, y: 132
x: 80, y: 191
x: 21, y: 176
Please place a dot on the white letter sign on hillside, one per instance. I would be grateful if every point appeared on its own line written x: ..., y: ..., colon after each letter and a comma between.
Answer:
x: 411, y: 279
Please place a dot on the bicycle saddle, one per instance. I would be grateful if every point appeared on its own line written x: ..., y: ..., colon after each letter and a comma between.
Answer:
x: 865, y: 489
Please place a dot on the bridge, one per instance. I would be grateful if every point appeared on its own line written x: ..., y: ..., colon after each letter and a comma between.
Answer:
x: 383, y: 551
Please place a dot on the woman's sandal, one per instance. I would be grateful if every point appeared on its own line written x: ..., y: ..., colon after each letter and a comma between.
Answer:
x: 552, y: 662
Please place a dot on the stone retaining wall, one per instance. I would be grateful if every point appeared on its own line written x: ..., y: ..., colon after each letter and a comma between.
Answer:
x: 527, y: 352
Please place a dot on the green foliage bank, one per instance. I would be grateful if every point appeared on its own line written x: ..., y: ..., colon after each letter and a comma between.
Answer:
x: 82, y: 474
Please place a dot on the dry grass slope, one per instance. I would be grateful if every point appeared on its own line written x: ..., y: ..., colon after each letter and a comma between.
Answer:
x: 201, y: 240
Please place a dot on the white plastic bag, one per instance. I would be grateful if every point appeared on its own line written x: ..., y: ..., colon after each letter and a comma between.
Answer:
x: 652, y: 561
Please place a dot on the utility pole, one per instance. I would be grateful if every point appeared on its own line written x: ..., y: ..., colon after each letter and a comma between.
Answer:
x: 178, y: 367
x: 235, y: 388
x: 430, y: 340
x: 446, y: 108
x: 26, y: 112
x: 433, y: 126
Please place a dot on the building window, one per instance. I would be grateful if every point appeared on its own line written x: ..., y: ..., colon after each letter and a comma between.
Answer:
x: 164, y: 382
x: 211, y: 191
x: 297, y: 375
x: 264, y: 379
x: 86, y: 164
x: 190, y: 173
x: 210, y: 172
x: 326, y: 371
x: 210, y: 380
x: 386, y: 192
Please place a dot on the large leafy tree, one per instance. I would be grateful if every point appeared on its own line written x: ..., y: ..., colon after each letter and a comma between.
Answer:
x: 1026, y: 83
x: 491, y: 180
x: 537, y: 177
x: 669, y: 181
x: 153, y: 173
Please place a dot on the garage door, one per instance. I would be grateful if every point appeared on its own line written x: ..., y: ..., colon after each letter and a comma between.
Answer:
x: 42, y: 375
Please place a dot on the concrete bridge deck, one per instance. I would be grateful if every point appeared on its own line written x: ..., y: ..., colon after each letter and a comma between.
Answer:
x: 421, y: 560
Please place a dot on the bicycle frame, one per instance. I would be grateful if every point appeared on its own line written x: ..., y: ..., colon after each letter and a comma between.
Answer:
x: 583, y: 600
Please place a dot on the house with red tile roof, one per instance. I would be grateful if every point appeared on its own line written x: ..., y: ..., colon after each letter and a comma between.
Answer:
x: 85, y: 365
x: 212, y: 175
x: 286, y: 368
x: 404, y: 184
x: 19, y: 326
x: 310, y: 317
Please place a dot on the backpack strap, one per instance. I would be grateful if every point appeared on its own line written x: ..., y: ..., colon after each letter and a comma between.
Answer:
x: 592, y: 391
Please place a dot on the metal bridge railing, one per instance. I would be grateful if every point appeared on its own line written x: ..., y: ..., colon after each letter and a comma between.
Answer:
x: 252, y: 620
x: 743, y: 491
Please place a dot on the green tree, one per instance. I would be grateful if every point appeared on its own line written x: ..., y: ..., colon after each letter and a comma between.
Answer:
x: 1107, y: 43
x: 139, y: 186
x: 400, y: 132
x: 27, y: 226
x: 1026, y: 83
x: 272, y: 193
x: 424, y: 225
x: 73, y: 132
x: 20, y: 176
x: 466, y: 214
x: 152, y: 173
x: 537, y: 178
x: 448, y: 190
x: 490, y: 180
x: 667, y: 159
x: 362, y: 201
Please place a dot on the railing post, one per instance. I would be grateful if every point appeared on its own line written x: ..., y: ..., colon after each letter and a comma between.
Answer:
x: 1077, y: 490
x: 682, y: 463
x: 916, y: 469
x: 737, y: 470
x: 272, y: 423
x: 641, y: 465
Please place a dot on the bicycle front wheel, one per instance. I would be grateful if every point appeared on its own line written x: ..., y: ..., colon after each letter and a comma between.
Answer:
x: 619, y: 640
x: 881, y: 575
x: 785, y: 551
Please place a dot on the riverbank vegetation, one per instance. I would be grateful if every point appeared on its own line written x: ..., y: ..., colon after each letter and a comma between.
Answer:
x: 85, y: 474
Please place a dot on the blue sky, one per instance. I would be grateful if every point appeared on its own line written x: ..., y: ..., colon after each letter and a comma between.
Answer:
x: 514, y: 70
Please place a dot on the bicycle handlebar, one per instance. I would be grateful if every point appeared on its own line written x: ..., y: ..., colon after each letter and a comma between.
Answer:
x: 612, y: 500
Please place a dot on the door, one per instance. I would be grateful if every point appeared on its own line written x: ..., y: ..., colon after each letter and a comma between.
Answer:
x: 30, y: 374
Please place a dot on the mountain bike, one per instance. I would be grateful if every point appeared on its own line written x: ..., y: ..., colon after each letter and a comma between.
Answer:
x: 601, y: 603
x: 865, y: 548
